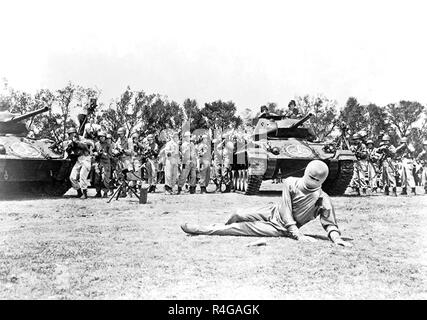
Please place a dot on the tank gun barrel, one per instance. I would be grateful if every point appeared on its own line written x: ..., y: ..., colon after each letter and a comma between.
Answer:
x: 301, y: 121
x: 28, y: 115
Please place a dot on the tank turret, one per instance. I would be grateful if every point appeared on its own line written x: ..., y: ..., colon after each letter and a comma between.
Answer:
x: 10, y: 123
x: 30, y: 166
x: 281, y: 147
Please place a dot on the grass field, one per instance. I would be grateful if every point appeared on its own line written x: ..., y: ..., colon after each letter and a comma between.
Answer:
x: 74, y: 249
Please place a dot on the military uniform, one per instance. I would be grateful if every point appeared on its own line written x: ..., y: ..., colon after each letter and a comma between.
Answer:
x: 122, y: 147
x: 360, y: 166
x: 422, y: 159
x: 386, y: 153
x: 189, y: 165
x: 171, y: 151
x: 80, y: 172
x: 404, y: 157
x: 372, y: 165
x: 204, y: 152
x: 151, y: 165
x: 103, y: 154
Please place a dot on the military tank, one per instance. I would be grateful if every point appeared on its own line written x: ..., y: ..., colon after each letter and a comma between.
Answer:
x: 282, y: 147
x: 27, y: 165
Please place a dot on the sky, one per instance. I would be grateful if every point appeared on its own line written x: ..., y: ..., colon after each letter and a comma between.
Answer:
x: 250, y: 52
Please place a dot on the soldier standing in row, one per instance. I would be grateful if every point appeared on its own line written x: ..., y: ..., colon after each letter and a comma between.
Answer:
x: 123, y: 151
x: 386, y: 163
x: 360, y: 152
x: 422, y: 159
x: 204, y: 152
x: 80, y: 151
x: 102, y: 154
x: 171, y: 151
x: 404, y: 155
x: 152, y: 151
x: 372, y: 158
x: 189, y: 164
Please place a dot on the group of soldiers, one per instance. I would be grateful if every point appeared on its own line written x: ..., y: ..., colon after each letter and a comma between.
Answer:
x: 185, y: 160
x: 384, y: 166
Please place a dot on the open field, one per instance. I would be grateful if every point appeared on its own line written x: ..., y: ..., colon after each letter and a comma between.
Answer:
x: 74, y: 249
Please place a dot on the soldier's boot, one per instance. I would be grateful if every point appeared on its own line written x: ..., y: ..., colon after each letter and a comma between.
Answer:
x: 374, y: 189
x: 202, y: 189
x: 152, y: 189
x: 168, y: 189
x: 84, y: 194
x: 413, y: 192
x: 364, y: 191
x: 227, y: 189
x: 192, y: 190
x: 404, y: 191
x: 386, y: 191
x: 394, y: 192
x: 105, y: 195
x: 179, y: 190
x: 357, y: 190
x: 79, y: 193
x: 218, y: 187
x: 98, y: 194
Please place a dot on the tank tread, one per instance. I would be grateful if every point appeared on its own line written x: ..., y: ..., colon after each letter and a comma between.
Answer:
x: 338, y: 185
x: 254, y: 183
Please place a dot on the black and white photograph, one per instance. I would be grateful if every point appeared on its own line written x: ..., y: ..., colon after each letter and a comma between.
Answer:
x: 213, y: 151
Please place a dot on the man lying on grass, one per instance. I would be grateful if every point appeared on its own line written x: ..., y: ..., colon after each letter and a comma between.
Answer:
x: 302, y: 201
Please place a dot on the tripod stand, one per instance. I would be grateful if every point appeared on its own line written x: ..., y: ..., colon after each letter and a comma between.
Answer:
x: 124, y: 185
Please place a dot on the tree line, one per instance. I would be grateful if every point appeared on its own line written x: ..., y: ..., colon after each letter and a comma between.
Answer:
x: 147, y: 113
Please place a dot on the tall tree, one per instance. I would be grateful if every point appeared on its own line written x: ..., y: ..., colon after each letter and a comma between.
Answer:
x: 404, y: 114
x: 222, y: 115
x: 377, y: 120
x: 354, y: 115
x: 324, y: 113
x: 194, y: 115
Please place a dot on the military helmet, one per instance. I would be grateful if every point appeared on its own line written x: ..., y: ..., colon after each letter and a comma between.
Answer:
x: 101, y: 133
x: 404, y: 140
x: 109, y: 136
x: 71, y: 130
x: 386, y: 137
x: 370, y: 141
x: 356, y: 136
x: 121, y: 130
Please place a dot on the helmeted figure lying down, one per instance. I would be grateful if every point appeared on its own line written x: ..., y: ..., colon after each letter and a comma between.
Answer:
x: 302, y: 201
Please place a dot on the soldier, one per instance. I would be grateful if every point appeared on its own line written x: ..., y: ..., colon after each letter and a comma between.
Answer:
x: 171, y: 151
x: 360, y: 166
x: 404, y: 156
x: 302, y: 201
x: 204, y: 153
x: 293, y: 111
x: 189, y: 164
x: 386, y: 153
x: 122, y: 150
x: 102, y: 154
x: 91, y: 128
x: 113, y: 163
x: 81, y: 152
x: 152, y: 152
x: 222, y: 163
x: 372, y: 165
x: 422, y: 159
